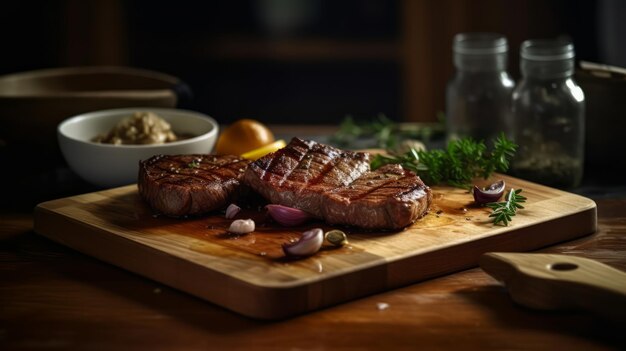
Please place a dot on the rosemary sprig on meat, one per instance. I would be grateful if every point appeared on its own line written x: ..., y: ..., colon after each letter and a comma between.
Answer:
x: 457, y: 165
x: 504, y: 211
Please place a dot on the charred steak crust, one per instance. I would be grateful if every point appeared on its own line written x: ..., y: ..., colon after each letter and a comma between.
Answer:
x: 338, y: 186
x: 387, y: 198
x: 182, y: 185
x: 290, y: 174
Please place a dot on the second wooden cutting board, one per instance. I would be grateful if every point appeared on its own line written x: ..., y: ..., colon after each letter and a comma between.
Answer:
x: 248, y: 274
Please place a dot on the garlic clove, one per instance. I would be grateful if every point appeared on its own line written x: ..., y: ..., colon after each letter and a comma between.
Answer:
x: 232, y: 210
x: 310, y: 242
x: 287, y: 216
x: 492, y: 193
x: 242, y: 226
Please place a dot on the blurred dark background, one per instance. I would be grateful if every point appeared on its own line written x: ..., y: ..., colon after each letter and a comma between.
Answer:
x: 302, y: 62
x: 297, y: 61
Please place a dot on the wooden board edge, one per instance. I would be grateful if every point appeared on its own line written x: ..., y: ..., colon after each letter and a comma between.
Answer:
x: 430, y: 265
x: 583, y: 222
x: 280, y: 302
x: 228, y: 292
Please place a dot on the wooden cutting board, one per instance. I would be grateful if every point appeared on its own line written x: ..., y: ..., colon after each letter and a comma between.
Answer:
x: 248, y: 274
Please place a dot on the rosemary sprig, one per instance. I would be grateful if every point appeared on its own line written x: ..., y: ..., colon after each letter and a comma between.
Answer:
x: 409, y: 160
x: 504, y: 211
x: 458, y: 164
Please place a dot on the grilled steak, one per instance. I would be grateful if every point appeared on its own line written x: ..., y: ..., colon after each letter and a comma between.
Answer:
x: 387, y: 198
x: 184, y: 185
x: 338, y: 186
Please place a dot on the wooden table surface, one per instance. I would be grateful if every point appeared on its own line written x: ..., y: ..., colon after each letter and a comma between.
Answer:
x: 54, y: 298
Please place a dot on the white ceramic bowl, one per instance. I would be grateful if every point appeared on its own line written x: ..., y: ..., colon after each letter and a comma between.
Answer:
x: 107, y: 165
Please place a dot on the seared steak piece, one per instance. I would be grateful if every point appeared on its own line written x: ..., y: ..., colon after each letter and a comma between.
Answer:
x: 182, y: 185
x: 390, y: 197
x: 338, y: 186
x: 302, y: 170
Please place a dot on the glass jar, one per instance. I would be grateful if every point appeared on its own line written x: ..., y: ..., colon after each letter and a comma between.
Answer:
x: 478, y: 97
x: 548, y: 116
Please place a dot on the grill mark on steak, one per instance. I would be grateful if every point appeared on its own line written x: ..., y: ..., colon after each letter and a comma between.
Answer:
x: 295, y: 188
x: 206, y: 172
x: 297, y: 167
x: 280, y: 165
x: 338, y: 186
x: 312, y: 167
x: 369, y: 191
x: 371, y: 182
x: 324, y: 168
x: 329, y: 167
x: 392, y: 205
x: 339, y: 173
x: 325, y: 173
x: 182, y: 185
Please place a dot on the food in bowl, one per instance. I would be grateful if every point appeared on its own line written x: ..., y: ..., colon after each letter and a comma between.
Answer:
x: 108, y: 165
x: 139, y: 128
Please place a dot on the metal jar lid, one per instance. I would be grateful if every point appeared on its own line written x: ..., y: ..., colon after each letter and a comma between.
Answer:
x: 547, y: 50
x: 479, y: 44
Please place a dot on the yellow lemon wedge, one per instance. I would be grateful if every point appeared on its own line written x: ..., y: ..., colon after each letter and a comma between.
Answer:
x: 264, y: 150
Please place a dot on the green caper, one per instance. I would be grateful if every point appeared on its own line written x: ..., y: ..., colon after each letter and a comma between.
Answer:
x: 336, y: 237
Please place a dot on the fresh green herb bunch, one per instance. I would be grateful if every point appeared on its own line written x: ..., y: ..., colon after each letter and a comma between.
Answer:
x: 503, y: 212
x: 458, y: 164
x: 409, y: 160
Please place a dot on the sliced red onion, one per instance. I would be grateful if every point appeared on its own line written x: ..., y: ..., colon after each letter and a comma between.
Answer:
x: 287, y: 216
x: 241, y: 226
x: 232, y: 210
x: 310, y: 242
x: 492, y: 193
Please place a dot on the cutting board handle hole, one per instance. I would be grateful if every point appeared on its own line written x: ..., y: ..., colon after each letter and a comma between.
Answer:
x: 563, y: 266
